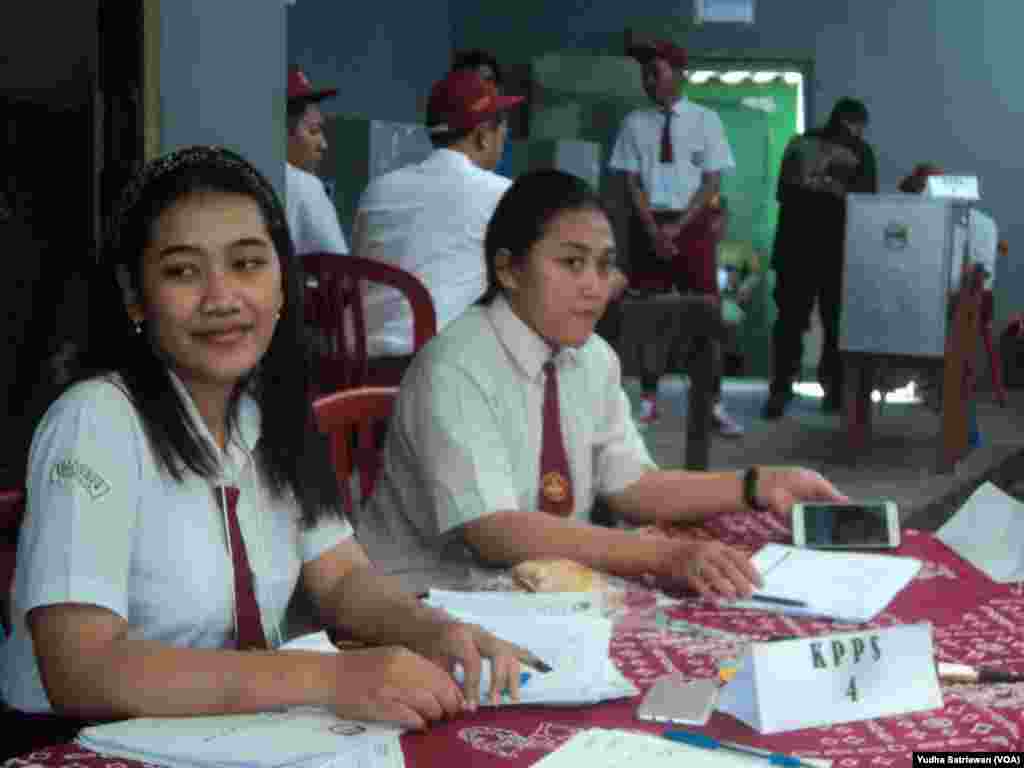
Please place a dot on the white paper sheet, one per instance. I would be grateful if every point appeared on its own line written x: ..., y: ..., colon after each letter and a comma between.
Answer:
x: 576, y: 648
x: 848, y: 586
x: 303, y: 737
x: 604, y: 748
x: 988, y: 532
x: 519, y: 603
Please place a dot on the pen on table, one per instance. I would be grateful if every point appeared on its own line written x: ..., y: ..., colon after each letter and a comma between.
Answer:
x: 964, y: 673
x: 524, y: 678
x: 706, y: 742
x: 778, y: 600
x: 536, y: 664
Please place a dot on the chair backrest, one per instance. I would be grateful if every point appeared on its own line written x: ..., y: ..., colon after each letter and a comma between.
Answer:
x: 334, y: 311
x: 352, y: 420
x: 12, y: 509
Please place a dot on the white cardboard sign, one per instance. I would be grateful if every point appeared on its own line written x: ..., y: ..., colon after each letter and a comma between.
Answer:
x: 953, y: 187
x: 807, y: 682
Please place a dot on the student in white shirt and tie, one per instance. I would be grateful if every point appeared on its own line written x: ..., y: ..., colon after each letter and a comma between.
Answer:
x: 179, y: 495
x: 512, y: 421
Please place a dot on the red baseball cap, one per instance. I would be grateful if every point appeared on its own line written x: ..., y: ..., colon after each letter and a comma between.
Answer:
x: 659, y: 49
x: 463, y: 100
x: 299, y: 88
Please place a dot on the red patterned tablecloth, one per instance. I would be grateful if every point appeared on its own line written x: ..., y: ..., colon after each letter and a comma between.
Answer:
x: 975, y: 621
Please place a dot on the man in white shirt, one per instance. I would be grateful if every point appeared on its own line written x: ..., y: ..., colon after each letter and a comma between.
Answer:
x: 673, y: 155
x: 312, y: 217
x: 429, y: 218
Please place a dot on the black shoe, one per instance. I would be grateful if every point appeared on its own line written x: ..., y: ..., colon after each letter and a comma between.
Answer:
x: 775, y: 406
x: 833, y: 401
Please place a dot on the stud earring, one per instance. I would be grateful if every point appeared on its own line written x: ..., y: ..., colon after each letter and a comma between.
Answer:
x: 138, y: 327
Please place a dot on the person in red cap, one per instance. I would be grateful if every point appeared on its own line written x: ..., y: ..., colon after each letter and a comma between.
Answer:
x: 429, y: 218
x: 312, y: 217
x: 673, y: 155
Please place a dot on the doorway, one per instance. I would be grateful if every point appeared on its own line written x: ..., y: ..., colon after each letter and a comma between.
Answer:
x: 70, y: 109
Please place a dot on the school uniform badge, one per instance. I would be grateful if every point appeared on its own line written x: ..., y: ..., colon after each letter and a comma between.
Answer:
x: 71, y: 471
x: 555, y: 487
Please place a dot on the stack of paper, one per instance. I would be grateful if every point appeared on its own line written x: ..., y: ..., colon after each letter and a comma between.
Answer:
x: 565, y: 629
x: 559, y: 628
x: 848, y: 586
x: 304, y: 737
x: 988, y: 532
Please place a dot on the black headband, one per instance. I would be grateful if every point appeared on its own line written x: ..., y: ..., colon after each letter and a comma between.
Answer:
x: 183, y: 160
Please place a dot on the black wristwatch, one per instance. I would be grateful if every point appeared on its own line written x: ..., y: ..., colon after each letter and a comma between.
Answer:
x: 750, y: 490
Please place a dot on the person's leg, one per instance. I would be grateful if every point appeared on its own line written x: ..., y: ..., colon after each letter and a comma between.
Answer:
x: 794, y: 299
x: 721, y: 420
x: 830, y: 367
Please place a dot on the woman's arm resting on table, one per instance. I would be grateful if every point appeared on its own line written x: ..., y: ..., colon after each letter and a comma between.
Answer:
x: 709, y: 567
x: 354, y: 597
x: 93, y: 667
x: 679, y: 496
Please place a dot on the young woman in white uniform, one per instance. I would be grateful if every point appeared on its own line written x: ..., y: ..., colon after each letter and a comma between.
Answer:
x: 195, y: 381
x: 465, y: 486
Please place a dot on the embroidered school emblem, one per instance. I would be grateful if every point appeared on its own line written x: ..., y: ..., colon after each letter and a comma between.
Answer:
x: 72, y: 471
x: 555, y: 487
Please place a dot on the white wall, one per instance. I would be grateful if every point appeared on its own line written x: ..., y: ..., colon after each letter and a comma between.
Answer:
x: 940, y: 77
x: 223, y: 72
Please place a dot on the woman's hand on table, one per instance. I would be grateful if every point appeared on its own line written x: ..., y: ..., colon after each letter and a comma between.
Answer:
x: 393, y: 684
x: 456, y: 642
x: 710, y: 568
x: 780, y: 488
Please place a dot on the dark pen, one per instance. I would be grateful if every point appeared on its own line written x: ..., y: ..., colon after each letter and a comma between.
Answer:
x: 778, y: 600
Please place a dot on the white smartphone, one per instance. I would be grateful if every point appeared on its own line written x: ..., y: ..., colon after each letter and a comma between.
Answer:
x: 855, y: 525
x: 672, y: 700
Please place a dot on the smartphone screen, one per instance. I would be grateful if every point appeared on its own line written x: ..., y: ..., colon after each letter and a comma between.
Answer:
x: 827, y: 525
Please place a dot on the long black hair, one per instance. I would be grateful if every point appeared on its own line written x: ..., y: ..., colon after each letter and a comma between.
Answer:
x: 291, y: 454
x: 524, y: 213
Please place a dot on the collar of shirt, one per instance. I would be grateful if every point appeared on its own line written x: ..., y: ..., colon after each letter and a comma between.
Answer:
x: 525, y: 346
x: 677, y: 107
x: 248, y: 422
x: 450, y: 158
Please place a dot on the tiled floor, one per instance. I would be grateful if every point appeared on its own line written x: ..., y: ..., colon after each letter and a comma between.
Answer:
x: 899, y: 463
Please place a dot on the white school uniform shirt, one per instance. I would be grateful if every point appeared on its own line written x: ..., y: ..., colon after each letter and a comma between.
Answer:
x: 428, y: 218
x: 312, y: 217
x: 465, y: 441
x: 105, y: 526
x: 699, y: 145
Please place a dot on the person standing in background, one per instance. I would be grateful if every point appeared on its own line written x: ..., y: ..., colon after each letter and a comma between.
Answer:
x: 673, y: 154
x: 312, y: 217
x: 818, y: 170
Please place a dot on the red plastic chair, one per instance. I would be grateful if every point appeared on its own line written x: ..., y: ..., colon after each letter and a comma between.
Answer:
x: 334, y: 308
x: 12, y: 509
x: 351, y: 419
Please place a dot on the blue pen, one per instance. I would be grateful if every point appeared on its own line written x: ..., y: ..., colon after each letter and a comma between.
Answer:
x: 524, y: 678
x: 706, y: 742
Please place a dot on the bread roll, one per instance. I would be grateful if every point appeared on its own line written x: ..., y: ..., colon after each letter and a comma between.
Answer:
x: 558, y: 576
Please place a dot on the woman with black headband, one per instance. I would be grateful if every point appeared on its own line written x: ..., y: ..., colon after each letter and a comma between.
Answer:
x: 179, y: 494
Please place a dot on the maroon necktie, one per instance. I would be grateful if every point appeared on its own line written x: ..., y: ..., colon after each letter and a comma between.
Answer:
x: 250, y: 629
x: 666, y: 138
x: 555, y: 494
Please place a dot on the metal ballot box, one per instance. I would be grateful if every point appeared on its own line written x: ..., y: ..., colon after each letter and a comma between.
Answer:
x: 899, y: 253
